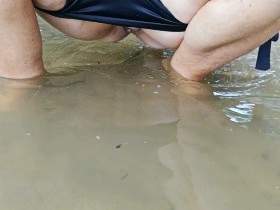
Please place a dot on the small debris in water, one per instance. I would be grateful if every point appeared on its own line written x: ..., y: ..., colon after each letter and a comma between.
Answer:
x: 156, y: 92
x: 124, y: 176
x: 119, y: 146
x: 28, y: 134
x: 146, y: 142
x: 277, y: 187
x: 265, y: 156
x: 158, y: 86
x: 98, y: 138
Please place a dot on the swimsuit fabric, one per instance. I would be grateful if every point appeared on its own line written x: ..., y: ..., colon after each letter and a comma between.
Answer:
x: 149, y: 14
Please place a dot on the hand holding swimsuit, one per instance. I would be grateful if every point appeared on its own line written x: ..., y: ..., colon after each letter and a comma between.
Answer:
x: 148, y: 14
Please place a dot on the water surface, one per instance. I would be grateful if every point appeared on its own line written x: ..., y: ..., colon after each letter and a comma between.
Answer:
x: 109, y: 129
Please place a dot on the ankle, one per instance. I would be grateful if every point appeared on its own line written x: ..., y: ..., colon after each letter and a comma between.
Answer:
x: 22, y: 72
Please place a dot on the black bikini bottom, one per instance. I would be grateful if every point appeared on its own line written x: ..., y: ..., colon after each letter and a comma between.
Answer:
x: 150, y: 14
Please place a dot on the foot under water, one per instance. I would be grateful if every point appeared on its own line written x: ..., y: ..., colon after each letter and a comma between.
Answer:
x: 107, y: 128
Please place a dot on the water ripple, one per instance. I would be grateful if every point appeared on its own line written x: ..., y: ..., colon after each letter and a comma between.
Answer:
x: 240, y: 113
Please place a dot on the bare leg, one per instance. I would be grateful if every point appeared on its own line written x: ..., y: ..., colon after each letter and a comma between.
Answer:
x: 20, y: 40
x: 83, y: 30
x: 222, y: 31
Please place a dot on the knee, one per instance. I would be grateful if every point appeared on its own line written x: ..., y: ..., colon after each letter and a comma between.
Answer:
x: 221, y: 22
x: 50, y: 4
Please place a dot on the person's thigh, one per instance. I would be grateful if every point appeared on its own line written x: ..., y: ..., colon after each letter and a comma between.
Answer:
x: 79, y: 29
x: 20, y: 40
x: 223, y: 21
x: 224, y: 30
x: 183, y: 10
x: 52, y: 5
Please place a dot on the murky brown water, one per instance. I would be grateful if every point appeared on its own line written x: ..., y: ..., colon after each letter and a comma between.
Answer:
x: 107, y: 129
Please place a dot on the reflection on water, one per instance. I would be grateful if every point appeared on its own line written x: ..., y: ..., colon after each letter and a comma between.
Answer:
x: 107, y: 128
x: 241, y: 113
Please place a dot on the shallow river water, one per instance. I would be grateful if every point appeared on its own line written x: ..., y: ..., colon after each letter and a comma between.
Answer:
x: 108, y: 129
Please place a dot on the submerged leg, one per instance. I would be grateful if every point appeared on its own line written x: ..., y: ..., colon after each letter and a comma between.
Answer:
x: 20, y: 40
x: 222, y: 31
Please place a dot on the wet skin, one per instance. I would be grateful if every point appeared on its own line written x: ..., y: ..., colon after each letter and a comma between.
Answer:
x: 216, y: 34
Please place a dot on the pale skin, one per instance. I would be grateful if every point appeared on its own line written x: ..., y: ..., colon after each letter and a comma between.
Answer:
x: 219, y: 31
